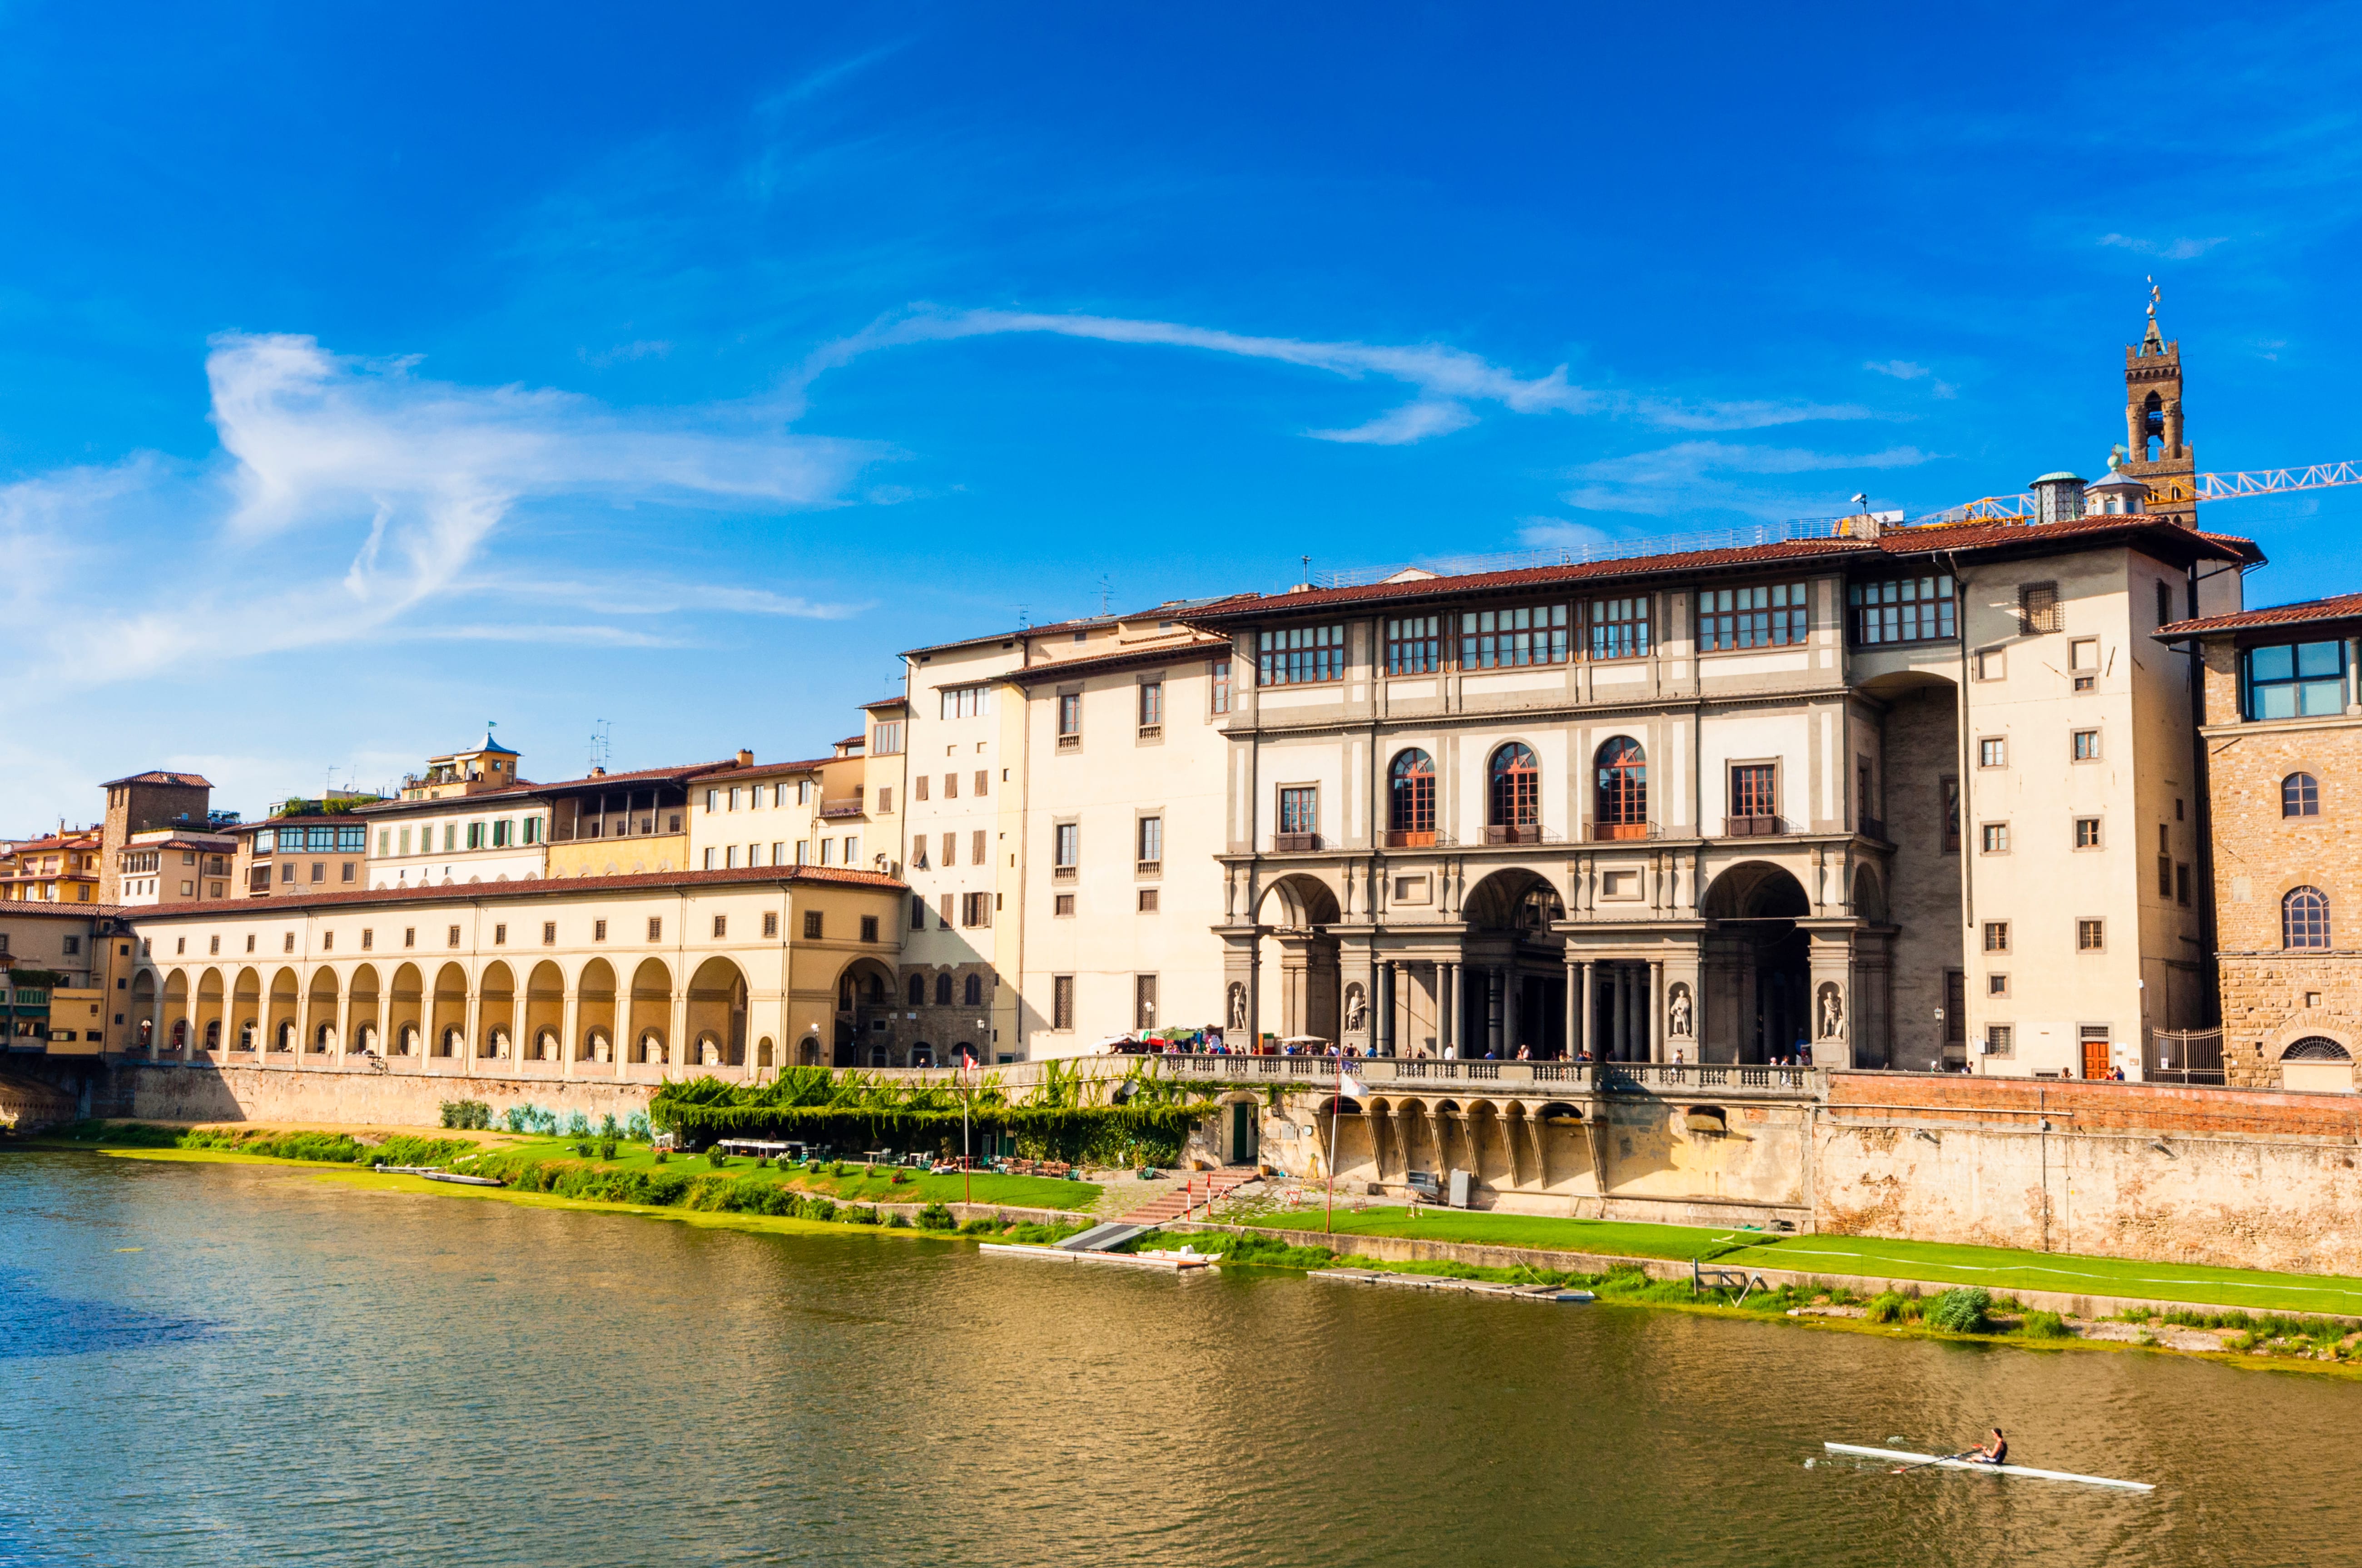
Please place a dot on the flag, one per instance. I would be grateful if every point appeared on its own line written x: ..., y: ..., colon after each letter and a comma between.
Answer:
x: 1347, y: 1084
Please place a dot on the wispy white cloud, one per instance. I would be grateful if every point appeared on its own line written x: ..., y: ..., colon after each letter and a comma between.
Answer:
x: 650, y: 596
x: 1447, y: 380
x: 1693, y: 476
x: 2170, y: 250
x: 351, y: 497
x: 1905, y: 370
x: 1560, y: 531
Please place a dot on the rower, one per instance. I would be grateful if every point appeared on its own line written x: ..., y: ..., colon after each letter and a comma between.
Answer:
x: 1993, y: 1453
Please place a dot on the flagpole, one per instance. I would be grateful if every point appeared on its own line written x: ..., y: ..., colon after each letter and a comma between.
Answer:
x: 1329, y: 1203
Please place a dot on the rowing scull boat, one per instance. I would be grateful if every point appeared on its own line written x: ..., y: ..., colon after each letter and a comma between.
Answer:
x: 1938, y: 1463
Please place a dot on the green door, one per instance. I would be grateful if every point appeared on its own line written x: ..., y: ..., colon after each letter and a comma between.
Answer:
x: 1243, y: 1134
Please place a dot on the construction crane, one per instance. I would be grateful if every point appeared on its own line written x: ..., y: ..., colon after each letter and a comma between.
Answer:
x: 2198, y: 487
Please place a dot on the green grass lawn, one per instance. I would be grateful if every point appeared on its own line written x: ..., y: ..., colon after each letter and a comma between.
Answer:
x: 1616, y: 1238
x: 2001, y: 1269
x: 858, y: 1185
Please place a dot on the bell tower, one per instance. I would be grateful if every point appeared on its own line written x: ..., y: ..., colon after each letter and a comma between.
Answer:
x: 2156, y: 453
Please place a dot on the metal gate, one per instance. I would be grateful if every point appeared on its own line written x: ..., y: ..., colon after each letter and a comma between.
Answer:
x: 2183, y: 1056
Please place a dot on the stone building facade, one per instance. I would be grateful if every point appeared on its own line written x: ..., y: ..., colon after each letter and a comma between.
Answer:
x: 2283, y: 740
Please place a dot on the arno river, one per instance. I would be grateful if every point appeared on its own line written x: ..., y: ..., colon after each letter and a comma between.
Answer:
x: 287, y: 1370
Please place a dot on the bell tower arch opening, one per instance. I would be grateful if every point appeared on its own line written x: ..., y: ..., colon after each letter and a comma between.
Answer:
x: 2160, y: 453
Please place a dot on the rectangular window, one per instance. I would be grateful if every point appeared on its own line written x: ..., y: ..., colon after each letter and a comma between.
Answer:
x: 2294, y: 680
x: 804, y: 851
x: 730, y: 858
x: 1062, y: 1002
x: 1755, y: 790
x: 384, y: 842
x: 976, y: 848
x: 475, y: 835
x: 1902, y: 609
x: 2182, y: 885
x: 869, y: 927
x: 951, y: 850
x: 1222, y: 685
x: 713, y: 858
x: 655, y: 928
x: 287, y: 943
x: 405, y: 841
x: 1062, y: 903
x: 918, y: 912
x: 975, y: 909
x: 1768, y: 617
x: 1151, y: 708
x: 1144, y: 1002
x: 2164, y: 603
x: 1414, y: 645
x: 887, y: 739
x: 451, y: 936
x: 1302, y: 655
x: 885, y: 800
x: 1992, y: 664
x: 549, y: 932
x: 2083, y: 655
x: 215, y: 948
x: 2000, y: 1040
x: 812, y: 924
x: 983, y: 783
x: 319, y: 870
x: 1619, y: 627
x: 1951, y: 823
x: 410, y: 936
x: 348, y: 875
x: 721, y: 926
x: 1994, y: 839
x: 1070, y: 718
x: 828, y: 852
x: 2038, y: 610
x: 1299, y: 809
x: 450, y: 837
x: 713, y: 801
x: 918, y: 786
x: 1992, y: 753
x: 500, y: 936
x: 1151, y: 843
x: 533, y: 829
x: 2086, y: 746
x: 286, y: 870
x: 368, y: 938
x: 804, y: 788
x: 2087, y: 832
x: 944, y: 912
x: 501, y: 833
x: 1148, y: 901
x: 965, y: 702
x: 1996, y: 936
x: 1996, y: 985
x: 2091, y: 935
x: 1507, y: 638
x: 1066, y: 845
x: 772, y: 921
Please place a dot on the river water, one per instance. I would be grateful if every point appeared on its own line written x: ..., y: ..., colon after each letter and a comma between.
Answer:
x: 214, y: 1364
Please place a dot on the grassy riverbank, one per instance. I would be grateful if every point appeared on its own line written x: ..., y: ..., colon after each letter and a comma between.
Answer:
x: 1609, y: 1238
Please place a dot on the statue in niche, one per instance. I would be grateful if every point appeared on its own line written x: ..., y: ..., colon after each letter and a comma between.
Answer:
x: 1238, y: 1005
x: 1677, y: 1013
x: 1831, y: 1011
x: 1357, y: 1012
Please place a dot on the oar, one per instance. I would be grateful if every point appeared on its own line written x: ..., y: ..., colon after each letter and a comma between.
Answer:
x: 1924, y: 1464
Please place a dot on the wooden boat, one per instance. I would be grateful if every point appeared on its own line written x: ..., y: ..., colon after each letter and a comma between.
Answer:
x: 434, y: 1173
x: 1937, y: 1461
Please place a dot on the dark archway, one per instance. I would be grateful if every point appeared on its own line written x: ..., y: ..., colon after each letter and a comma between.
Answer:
x: 1513, y: 990
x: 1759, y: 965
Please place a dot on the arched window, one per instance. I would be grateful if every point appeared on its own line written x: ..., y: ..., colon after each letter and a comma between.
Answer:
x: 942, y: 991
x: 1514, y: 803
x: 1623, y: 786
x: 973, y: 991
x: 2304, y: 919
x: 875, y: 991
x: 1410, y: 810
x: 2153, y: 427
x: 2299, y: 796
x: 918, y: 989
x: 2316, y: 1047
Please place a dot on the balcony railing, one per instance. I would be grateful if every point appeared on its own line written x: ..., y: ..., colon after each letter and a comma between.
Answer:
x: 1294, y: 843
x: 1751, y: 826
x: 1609, y: 830
x: 1512, y: 833
x: 843, y: 806
x: 1151, y: 731
x: 1873, y: 827
x: 1148, y: 868
x: 1070, y: 742
x: 1410, y: 838
x: 1062, y: 873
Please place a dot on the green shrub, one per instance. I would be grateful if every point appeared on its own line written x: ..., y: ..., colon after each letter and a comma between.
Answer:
x: 582, y: 1147
x: 935, y: 1217
x: 468, y: 1114
x: 898, y: 1222
x: 1961, y: 1310
x: 1886, y: 1307
x: 861, y: 1214
x: 606, y: 1146
x: 662, y: 1155
x: 2045, y: 1325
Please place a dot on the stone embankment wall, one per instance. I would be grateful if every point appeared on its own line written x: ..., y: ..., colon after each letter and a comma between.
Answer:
x: 2240, y: 1178
x: 356, y: 1098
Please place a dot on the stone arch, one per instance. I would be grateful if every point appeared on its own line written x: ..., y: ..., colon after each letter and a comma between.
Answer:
x: 212, y: 1030
x: 496, y: 1010
x: 545, y: 1013
x: 1513, y: 898
x: 766, y: 1054
x: 1755, y: 890
x: 447, y: 1031
x: 864, y: 992
x: 246, y: 1011
x: 281, y: 1025
x: 1758, y: 965
x: 594, y: 989
x: 178, y: 1030
x: 1301, y: 901
x: 361, y: 1025
x: 406, y: 1015
x: 2315, y: 1048
x: 649, y: 1029
x: 717, y: 1015
x: 144, y: 1030
x: 1870, y: 896
x: 320, y: 1013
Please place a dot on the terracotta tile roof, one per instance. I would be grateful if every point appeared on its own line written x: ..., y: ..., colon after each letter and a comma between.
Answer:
x: 159, y: 777
x: 544, y: 887
x: 57, y: 911
x: 1158, y: 654
x: 2343, y: 607
x: 525, y: 789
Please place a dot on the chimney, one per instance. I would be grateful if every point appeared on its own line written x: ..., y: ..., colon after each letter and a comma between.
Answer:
x: 745, y: 758
x: 597, y: 772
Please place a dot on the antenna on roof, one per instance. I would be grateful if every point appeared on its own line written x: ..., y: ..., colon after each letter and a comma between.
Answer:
x: 598, y: 747
x: 1025, y: 618
x: 1107, y: 589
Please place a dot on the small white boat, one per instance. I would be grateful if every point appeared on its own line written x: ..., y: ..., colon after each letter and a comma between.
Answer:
x: 1178, y: 1261
x: 434, y: 1173
x: 1938, y: 1462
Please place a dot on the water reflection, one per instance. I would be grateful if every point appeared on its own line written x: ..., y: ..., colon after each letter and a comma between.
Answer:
x: 412, y: 1379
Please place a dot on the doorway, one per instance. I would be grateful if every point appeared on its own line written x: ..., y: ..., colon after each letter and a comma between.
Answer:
x: 1245, y: 1126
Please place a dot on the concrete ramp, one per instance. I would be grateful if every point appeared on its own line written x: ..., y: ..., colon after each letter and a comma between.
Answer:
x: 1103, y: 1237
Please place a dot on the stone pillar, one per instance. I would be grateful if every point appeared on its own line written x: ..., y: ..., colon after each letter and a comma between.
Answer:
x: 1446, y: 1004
x: 1574, y: 1013
x: 471, y: 1019
x: 1591, y: 1008
x: 343, y: 1025
x: 1622, y: 1037
x: 678, y: 1025
x: 1513, y: 985
x: 570, y: 1023
x: 1254, y: 998
x: 1657, y: 1051
x: 1492, y: 989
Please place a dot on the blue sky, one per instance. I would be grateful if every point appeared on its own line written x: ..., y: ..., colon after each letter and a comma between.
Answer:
x: 370, y: 372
